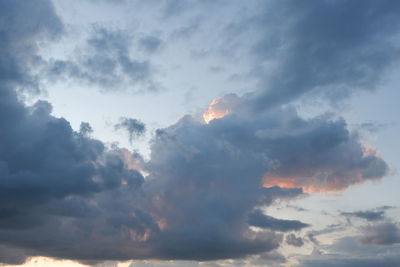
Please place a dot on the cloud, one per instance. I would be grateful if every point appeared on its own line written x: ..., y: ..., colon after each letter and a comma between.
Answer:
x: 296, y: 208
x: 107, y: 62
x: 270, y: 194
x: 259, y: 219
x: 175, y: 8
x: 326, y: 157
x: 64, y: 194
x: 13, y: 256
x: 150, y: 44
x: 347, y: 252
x: 21, y: 25
x: 85, y: 128
x: 326, y: 48
x: 53, y: 180
x: 386, y: 233
x: 220, y: 107
x: 272, y: 258
x: 336, y: 46
x: 318, y: 154
x: 226, y: 158
x: 293, y: 240
x: 331, y: 228
x: 134, y: 127
x: 372, y: 127
x: 369, y: 215
x: 172, y: 264
x: 89, y: 204
x: 366, y: 261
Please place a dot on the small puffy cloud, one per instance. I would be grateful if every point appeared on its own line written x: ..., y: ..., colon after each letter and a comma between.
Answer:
x: 293, y: 240
x: 134, y: 127
x: 85, y: 128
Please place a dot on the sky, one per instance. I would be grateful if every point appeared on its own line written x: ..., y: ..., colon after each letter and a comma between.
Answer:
x: 212, y: 133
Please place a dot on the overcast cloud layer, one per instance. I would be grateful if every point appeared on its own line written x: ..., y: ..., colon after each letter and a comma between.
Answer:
x: 203, y: 193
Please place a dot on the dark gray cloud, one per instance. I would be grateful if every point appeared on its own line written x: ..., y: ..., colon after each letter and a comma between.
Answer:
x: 386, y: 233
x: 228, y: 157
x: 369, y: 215
x: 59, y: 188
x: 326, y: 48
x: 293, y: 240
x: 259, y: 219
x: 134, y: 127
x: 329, y: 48
x: 108, y: 62
x: 12, y: 256
x: 270, y: 194
x: 32, y: 164
x: 376, y: 214
x: 313, y: 239
x: 66, y: 195
x: 21, y: 25
x: 85, y: 128
x: 324, y: 155
x: 53, y: 180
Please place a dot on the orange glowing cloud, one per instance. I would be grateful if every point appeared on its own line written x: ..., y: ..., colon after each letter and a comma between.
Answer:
x: 129, y: 161
x: 317, y: 183
x: 220, y: 107
x: 132, y: 161
x: 213, y: 112
x: 328, y: 177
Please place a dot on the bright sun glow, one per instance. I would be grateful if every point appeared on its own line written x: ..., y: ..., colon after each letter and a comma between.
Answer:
x: 216, y: 110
